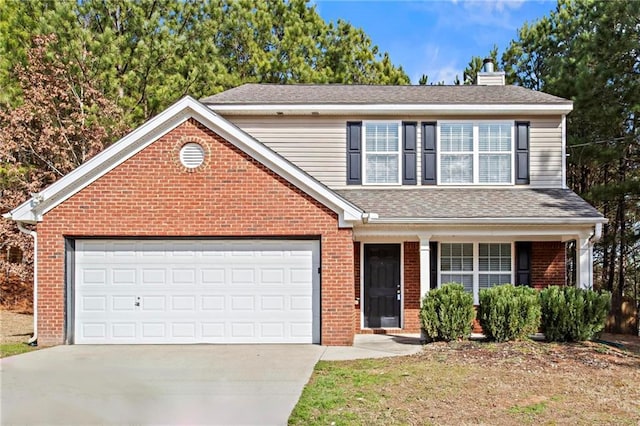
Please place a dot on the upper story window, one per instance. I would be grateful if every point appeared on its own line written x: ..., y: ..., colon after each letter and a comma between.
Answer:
x: 482, y: 152
x: 381, y: 152
x: 476, y: 153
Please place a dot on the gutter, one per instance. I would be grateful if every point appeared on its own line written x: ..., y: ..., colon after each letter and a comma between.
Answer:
x: 597, y: 233
x: 374, y: 218
x: 33, y: 341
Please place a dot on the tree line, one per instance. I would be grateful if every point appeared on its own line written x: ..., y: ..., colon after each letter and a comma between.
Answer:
x: 589, y: 52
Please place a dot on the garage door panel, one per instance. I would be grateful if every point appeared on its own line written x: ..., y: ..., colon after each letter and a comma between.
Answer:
x: 212, y: 303
x: 94, y: 304
x: 123, y: 330
x: 120, y: 303
x: 153, y: 303
x: 183, y: 303
x: 154, y: 330
x: 300, y: 329
x: 154, y: 276
x: 202, y: 291
x: 272, y: 329
x: 213, y: 276
x: 121, y: 276
x: 184, y: 330
x: 272, y: 303
x: 210, y: 331
x: 94, y: 276
x: 94, y: 330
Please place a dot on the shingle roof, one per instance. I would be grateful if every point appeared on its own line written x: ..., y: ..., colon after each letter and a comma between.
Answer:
x: 300, y: 94
x: 471, y: 203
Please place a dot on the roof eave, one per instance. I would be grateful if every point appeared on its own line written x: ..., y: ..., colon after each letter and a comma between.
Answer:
x: 31, y: 211
x: 490, y: 220
x: 394, y: 109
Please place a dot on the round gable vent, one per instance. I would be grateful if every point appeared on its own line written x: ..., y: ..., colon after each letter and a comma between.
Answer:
x: 192, y: 155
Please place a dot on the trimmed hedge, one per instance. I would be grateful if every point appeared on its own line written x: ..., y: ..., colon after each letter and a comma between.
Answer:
x: 508, y: 313
x: 447, y: 313
x: 573, y: 314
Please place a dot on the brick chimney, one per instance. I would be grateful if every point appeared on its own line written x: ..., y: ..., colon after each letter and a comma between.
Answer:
x: 489, y: 77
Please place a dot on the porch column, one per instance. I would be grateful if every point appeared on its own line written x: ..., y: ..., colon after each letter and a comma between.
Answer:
x: 584, y: 272
x: 425, y: 267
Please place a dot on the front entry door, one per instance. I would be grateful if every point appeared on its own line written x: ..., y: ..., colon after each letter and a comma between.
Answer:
x: 382, y: 285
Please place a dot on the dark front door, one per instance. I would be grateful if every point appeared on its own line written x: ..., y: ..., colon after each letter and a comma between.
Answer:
x: 382, y: 285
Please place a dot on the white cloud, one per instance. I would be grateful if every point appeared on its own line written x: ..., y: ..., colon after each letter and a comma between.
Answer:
x: 438, y: 65
x: 498, y: 5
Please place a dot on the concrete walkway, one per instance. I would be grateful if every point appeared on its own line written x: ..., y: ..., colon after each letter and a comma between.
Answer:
x: 170, y: 384
x: 374, y: 346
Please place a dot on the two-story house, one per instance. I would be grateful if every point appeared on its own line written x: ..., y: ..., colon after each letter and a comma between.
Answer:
x: 307, y: 213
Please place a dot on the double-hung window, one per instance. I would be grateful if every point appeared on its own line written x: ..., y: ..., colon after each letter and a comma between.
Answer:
x: 476, y: 153
x: 456, y: 264
x: 476, y: 266
x: 382, y: 152
x: 494, y: 153
x: 456, y: 158
x: 494, y: 265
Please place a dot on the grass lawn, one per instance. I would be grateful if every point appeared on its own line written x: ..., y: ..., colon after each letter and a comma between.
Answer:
x: 9, y: 349
x: 478, y: 383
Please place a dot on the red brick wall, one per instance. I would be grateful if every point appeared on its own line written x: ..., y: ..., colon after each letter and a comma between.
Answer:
x: 411, y: 287
x: 547, y: 264
x: 152, y: 194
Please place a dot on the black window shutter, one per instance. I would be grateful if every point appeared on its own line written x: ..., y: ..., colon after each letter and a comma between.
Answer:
x: 354, y: 152
x: 433, y: 263
x: 522, y: 152
x: 523, y: 263
x: 429, y: 161
x: 409, y: 155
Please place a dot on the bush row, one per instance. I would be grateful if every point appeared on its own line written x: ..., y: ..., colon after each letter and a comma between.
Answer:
x: 507, y: 312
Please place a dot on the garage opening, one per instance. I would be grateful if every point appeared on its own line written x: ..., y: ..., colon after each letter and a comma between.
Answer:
x: 194, y: 291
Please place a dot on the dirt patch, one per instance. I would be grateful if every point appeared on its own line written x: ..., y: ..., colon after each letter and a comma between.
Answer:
x: 15, y: 327
x: 622, y: 341
x: 479, y: 383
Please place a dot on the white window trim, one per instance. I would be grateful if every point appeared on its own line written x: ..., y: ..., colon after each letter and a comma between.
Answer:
x: 476, y: 261
x: 364, y: 153
x: 476, y: 152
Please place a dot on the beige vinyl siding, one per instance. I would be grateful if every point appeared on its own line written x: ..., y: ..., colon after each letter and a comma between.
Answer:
x: 317, y: 144
x: 545, y: 152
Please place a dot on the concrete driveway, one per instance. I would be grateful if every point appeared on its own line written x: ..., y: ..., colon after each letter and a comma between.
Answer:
x: 195, y: 384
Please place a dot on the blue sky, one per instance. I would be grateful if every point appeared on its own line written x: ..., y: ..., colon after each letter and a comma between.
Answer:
x: 437, y: 38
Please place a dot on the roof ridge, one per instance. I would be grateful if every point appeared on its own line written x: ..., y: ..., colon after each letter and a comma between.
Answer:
x: 380, y: 94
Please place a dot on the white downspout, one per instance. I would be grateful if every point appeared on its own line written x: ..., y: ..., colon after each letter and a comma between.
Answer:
x: 33, y: 341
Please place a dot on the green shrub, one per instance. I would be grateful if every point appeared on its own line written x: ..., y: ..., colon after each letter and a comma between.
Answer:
x: 447, y: 313
x: 507, y: 312
x: 573, y: 314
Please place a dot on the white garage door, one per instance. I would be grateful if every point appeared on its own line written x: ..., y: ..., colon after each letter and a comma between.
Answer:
x: 197, y: 291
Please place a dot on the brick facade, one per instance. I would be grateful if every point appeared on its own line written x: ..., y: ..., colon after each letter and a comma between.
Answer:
x: 548, y: 264
x: 231, y: 195
x: 411, y: 287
